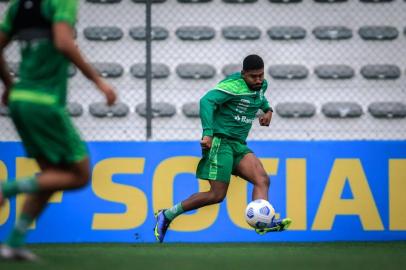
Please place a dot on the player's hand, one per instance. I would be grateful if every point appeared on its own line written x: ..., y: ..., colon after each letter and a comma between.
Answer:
x: 205, y: 143
x: 108, y: 92
x: 265, y: 119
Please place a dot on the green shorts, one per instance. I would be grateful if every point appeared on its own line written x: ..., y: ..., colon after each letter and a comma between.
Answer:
x: 219, y: 162
x: 47, y: 132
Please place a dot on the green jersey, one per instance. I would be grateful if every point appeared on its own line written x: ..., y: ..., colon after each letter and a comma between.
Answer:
x: 43, y: 71
x: 230, y: 108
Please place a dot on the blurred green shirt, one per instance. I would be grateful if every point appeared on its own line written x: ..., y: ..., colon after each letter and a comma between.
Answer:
x: 43, y: 71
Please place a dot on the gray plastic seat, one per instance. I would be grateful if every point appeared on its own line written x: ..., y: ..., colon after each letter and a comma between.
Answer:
x: 289, y: 72
x: 158, y: 71
x: 295, y: 109
x: 330, y: 1
x: 159, y: 109
x: 241, y: 32
x: 100, y: 109
x: 375, y: 1
x: 104, y: 1
x: 108, y: 70
x: 286, y: 32
x: 191, y: 109
x: 380, y: 72
x: 334, y: 72
x: 72, y: 70
x: 103, y: 33
x: 74, y: 109
x: 334, y: 32
x: 342, y: 110
x: 4, y: 110
x: 194, y: 1
x: 285, y: 1
x: 387, y: 109
x: 195, y: 71
x: 230, y: 69
x: 239, y: 1
x: 378, y: 32
x: 157, y: 33
x: 13, y: 68
x: 195, y: 33
x: 152, y: 1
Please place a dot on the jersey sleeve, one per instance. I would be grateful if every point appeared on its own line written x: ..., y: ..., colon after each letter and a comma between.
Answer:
x: 65, y: 11
x: 6, y: 25
x: 265, y: 105
x: 208, y: 104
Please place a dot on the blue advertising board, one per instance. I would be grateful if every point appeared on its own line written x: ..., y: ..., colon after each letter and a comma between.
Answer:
x: 333, y: 191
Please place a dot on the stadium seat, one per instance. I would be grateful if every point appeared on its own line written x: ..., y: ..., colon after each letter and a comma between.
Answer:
x: 285, y: 1
x: 13, y: 68
x: 108, y: 70
x: 332, y: 32
x: 103, y: 33
x: 239, y: 1
x: 230, y: 69
x: 4, y: 110
x: 152, y: 1
x: 194, y: 1
x: 295, y: 109
x: 330, y: 1
x: 195, y: 71
x: 375, y: 1
x: 101, y: 109
x: 378, y: 32
x: 342, y: 110
x: 191, y: 109
x: 387, y: 109
x: 72, y: 70
x: 195, y: 33
x: 241, y: 32
x: 74, y: 109
x: 380, y: 72
x: 288, y: 72
x: 104, y: 1
x: 158, y: 71
x: 159, y: 109
x: 286, y: 32
x: 334, y: 72
x: 157, y: 33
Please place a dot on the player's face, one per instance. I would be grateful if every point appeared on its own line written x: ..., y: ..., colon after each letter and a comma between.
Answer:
x: 254, y: 78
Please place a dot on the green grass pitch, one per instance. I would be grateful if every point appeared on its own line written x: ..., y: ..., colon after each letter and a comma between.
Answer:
x: 247, y: 256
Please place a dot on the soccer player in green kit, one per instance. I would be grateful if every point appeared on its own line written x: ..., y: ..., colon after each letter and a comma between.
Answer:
x: 227, y: 113
x: 44, y: 30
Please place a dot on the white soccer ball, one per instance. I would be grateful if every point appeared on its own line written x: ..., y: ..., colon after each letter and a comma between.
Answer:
x: 259, y: 214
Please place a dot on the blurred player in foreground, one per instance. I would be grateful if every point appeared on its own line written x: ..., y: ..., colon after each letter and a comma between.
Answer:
x: 36, y: 102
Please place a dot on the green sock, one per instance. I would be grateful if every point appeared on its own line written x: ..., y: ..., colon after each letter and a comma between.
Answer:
x: 24, y: 185
x: 174, y: 211
x: 17, y: 237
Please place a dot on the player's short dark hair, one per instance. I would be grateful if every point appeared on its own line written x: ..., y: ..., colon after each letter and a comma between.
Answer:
x: 252, y: 62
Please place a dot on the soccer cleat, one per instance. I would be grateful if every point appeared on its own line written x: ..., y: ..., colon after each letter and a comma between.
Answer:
x: 17, y: 254
x: 277, y: 225
x: 161, y: 226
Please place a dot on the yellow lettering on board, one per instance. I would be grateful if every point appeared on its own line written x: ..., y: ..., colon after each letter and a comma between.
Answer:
x: 237, y: 194
x: 133, y: 198
x: 397, y: 194
x: 296, y: 204
x: 362, y: 203
x: 162, y: 189
x: 5, y: 209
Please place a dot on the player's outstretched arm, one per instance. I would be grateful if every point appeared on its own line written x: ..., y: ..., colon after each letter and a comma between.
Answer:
x: 4, y: 74
x: 65, y: 43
